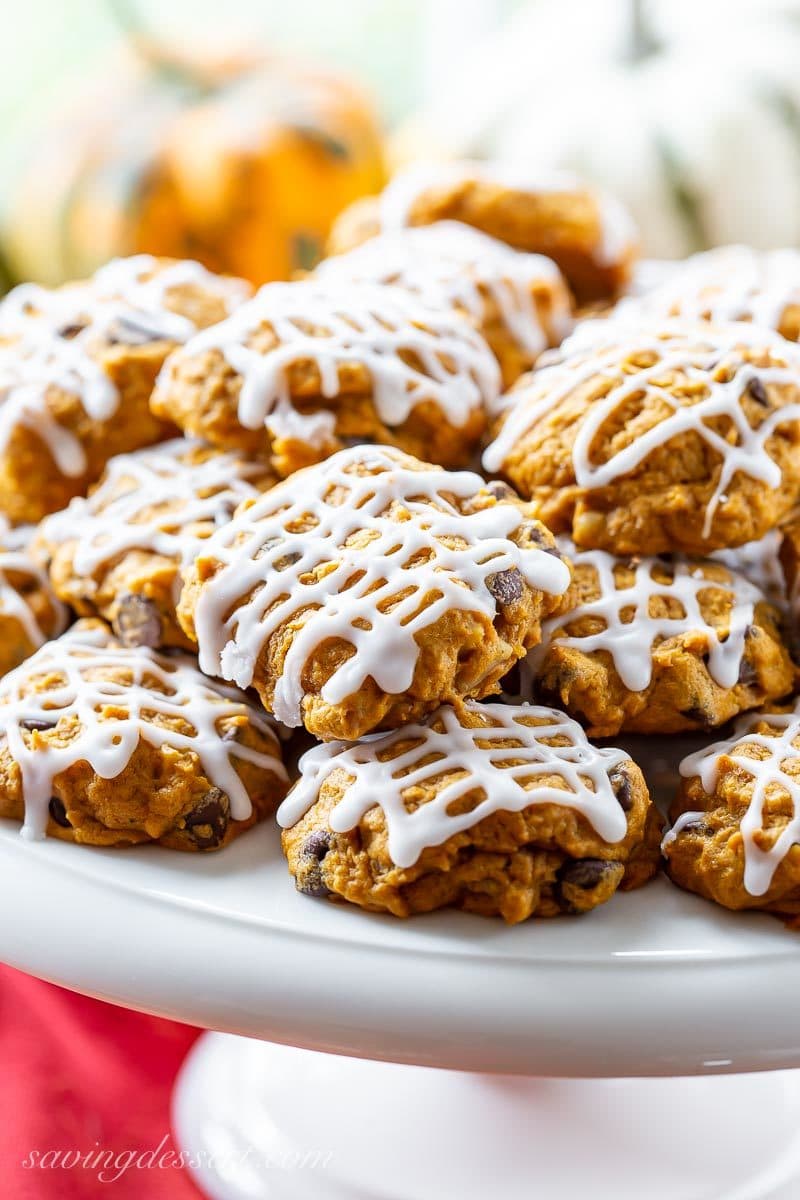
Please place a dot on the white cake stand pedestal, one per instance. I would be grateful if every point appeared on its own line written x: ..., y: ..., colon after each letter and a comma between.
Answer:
x: 443, y: 1057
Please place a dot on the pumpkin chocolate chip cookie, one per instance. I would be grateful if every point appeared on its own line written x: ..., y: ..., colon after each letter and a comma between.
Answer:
x: 519, y: 302
x: 365, y: 591
x: 77, y: 366
x: 495, y: 809
x: 119, y: 553
x: 650, y: 440
x: 30, y: 612
x: 730, y: 283
x: 308, y: 367
x: 111, y: 746
x: 648, y: 645
x: 587, y: 233
x: 736, y: 832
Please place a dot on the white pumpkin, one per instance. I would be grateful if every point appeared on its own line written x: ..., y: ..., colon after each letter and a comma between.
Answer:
x: 688, y: 110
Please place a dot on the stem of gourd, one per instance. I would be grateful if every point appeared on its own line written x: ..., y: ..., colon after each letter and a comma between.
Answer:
x: 126, y: 15
x: 642, y: 42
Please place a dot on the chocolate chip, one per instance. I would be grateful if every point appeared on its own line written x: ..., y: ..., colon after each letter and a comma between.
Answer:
x: 699, y: 715
x: 501, y: 491
x: 587, y: 873
x: 756, y: 391
x: 71, y: 331
x: 536, y: 535
x: 697, y: 827
x: 317, y: 845
x: 748, y: 675
x: 287, y: 560
x: 137, y: 621
x: 35, y: 725
x: 621, y: 783
x: 506, y: 586
x: 58, y: 812
x: 310, y: 881
x: 208, y: 821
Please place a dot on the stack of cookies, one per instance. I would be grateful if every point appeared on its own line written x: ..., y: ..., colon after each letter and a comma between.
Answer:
x: 423, y: 513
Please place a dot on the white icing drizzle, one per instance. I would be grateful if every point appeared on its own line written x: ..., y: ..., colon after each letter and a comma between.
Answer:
x: 618, y: 234
x: 15, y: 560
x: 760, y: 563
x: 51, y: 333
x: 631, y: 642
x: 730, y: 283
x: 767, y: 775
x: 596, y: 350
x: 384, y: 539
x: 487, y: 759
x: 454, y: 266
x: 80, y: 663
x: 338, y: 324
x: 158, y: 500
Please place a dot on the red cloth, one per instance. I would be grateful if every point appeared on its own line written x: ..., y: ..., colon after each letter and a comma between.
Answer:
x: 88, y: 1077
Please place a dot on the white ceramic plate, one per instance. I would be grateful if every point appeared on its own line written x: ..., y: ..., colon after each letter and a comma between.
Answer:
x: 655, y: 982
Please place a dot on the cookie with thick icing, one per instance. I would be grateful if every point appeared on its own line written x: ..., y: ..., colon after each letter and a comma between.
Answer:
x: 587, y: 233
x: 496, y: 809
x: 729, y: 283
x: 78, y: 364
x: 652, y: 645
x: 650, y: 440
x: 735, y: 837
x: 365, y: 591
x: 306, y: 368
x: 30, y: 612
x: 118, y: 554
x: 111, y: 746
x: 519, y: 302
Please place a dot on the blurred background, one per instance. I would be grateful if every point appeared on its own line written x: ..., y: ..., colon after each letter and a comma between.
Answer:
x: 235, y: 132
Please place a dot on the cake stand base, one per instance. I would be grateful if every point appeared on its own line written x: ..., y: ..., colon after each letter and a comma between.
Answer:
x: 260, y: 1120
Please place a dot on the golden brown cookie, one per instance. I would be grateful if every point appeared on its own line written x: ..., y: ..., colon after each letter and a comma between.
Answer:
x: 496, y: 809
x: 789, y: 561
x: 365, y: 591
x: 111, y: 746
x: 736, y: 832
x: 519, y: 302
x: 649, y: 645
x: 77, y: 366
x: 651, y: 440
x: 30, y: 613
x: 119, y: 553
x: 308, y: 367
x: 730, y: 283
x: 588, y: 234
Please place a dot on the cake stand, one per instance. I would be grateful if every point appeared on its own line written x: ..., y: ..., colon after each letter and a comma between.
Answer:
x: 447, y: 1056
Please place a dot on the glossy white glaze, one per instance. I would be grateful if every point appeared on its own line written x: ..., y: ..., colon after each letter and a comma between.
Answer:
x: 49, y: 336
x: 714, y: 362
x: 376, y: 556
x: 157, y: 499
x: 775, y: 748
x: 79, y: 667
x: 454, y: 266
x: 630, y: 632
x: 496, y: 761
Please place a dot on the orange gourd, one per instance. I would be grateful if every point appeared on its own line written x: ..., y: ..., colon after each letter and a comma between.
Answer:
x: 242, y: 163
